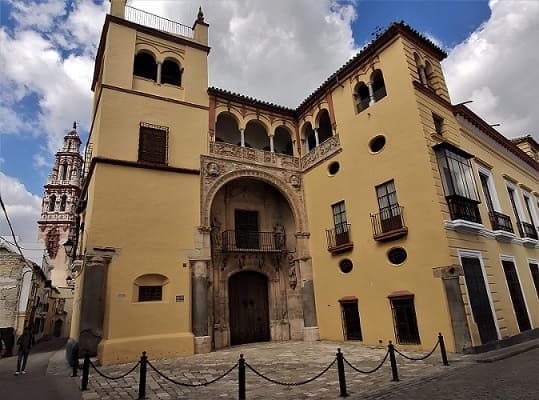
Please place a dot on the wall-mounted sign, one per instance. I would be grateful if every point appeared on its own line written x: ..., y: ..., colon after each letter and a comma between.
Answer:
x: 180, y: 298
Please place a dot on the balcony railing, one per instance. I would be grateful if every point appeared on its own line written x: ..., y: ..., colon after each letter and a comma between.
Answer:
x: 154, y: 21
x: 389, y: 224
x: 500, y: 222
x: 527, y: 230
x: 339, y: 238
x: 463, y: 208
x: 253, y: 241
x: 251, y: 155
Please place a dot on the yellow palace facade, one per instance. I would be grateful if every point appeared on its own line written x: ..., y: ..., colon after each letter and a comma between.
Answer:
x: 376, y: 210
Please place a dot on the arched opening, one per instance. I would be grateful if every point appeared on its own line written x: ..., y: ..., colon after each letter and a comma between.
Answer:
x: 257, y: 136
x: 361, y: 94
x: 63, y: 203
x: 171, y: 73
x: 324, y: 126
x: 226, y: 129
x: 378, y: 85
x: 420, y: 71
x: 309, y: 137
x: 145, y: 66
x: 252, y: 229
x: 429, y: 75
x: 282, y: 141
x: 52, y: 202
x: 149, y: 287
x: 63, y: 174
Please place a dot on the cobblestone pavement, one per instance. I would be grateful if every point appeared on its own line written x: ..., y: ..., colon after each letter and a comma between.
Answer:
x: 281, y: 361
x: 514, y: 378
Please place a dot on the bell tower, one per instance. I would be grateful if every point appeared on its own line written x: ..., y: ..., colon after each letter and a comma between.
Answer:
x: 60, y: 198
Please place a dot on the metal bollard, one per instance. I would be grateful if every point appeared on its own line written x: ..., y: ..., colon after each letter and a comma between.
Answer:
x: 85, y: 371
x: 340, y: 367
x: 75, y: 360
x: 393, y: 360
x: 241, y: 377
x: 442, y: 349
x: 142, y: 376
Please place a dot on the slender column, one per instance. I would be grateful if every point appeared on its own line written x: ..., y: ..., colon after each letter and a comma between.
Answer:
x: 159, y: 65
x: 242, y: 135
x: 272, y: 149
x: 200, y: 305
x: 316, y: 137
x: 371, y: 93
x: 422, y: 75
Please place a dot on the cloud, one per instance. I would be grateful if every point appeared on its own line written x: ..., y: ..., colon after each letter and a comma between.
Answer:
x: 496, y: 67
x: 23, y: 209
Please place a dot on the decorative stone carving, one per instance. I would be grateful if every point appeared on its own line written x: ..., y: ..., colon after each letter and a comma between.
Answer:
x: 294, y: 181
x: 321, y: 152
x: 292, y: 276
x: 212, y: 169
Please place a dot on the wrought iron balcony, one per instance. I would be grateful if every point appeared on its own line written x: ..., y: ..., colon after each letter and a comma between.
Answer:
x: 389, y: 224
x: 527, y: 230
x: 500, y: 222
x: 253, y: 241
x: 339, y: 238
x: 463, y: 208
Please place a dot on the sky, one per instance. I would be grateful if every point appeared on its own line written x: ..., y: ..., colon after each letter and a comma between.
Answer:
x: 278, y: 51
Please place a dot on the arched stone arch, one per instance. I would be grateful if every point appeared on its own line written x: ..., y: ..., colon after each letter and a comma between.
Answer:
x: 283, y: 140
x: 293, y: 195
x: 145, y: 64
x: 227, y: 127
x: 171, y: 71
x: 308, y: 136
x: 256, y: 134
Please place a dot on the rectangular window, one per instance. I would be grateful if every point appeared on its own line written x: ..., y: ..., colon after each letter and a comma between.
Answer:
x: 340, y: 223
x: 150, y: 293
x: 153, y: 143
x: 438, y: 124
x: 517, y: 298
x: 390, y: 213
x: 458, y: 182
x: 534, y: 269
x: 404, y: 319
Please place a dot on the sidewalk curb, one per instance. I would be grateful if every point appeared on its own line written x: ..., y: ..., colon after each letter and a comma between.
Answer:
x: 508, y: 352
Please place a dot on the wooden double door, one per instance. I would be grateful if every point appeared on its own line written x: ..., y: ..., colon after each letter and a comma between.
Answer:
x: 248, y: 308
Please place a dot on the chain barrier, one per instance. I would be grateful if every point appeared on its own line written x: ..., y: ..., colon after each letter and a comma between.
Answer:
x: 419, y: 358
x: 113, y: 378
x: 370, y: 371
x: 290, y: 383
x: 192, y: 384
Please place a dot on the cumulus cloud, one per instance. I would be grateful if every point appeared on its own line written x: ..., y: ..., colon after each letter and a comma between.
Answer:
x: 23, y: 209
x: 496, y: 67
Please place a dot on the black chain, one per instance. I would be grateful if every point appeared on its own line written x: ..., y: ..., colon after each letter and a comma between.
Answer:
x: 291, y: 383
x: 370, y: 371
x: 420, y: 358
x: 114, y: 377
x: 192, y: 384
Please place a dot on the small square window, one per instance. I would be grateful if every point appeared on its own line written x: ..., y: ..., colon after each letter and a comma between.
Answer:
x: 150, y: 293
x: 438, y: 124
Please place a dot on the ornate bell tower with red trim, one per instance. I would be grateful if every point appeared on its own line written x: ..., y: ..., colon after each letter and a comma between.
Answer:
x: 60, y: 198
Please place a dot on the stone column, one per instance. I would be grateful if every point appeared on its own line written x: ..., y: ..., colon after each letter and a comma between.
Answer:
x: 310, y: 327
x: 371, y: 93
x: 92, y: 309
x: 242, y: 135
x: 159, y: 67
x: 199, y: 311
x: 316, y: 137
x: 272, y: 149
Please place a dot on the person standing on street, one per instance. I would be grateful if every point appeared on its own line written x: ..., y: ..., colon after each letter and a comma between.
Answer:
x: 25, y: 343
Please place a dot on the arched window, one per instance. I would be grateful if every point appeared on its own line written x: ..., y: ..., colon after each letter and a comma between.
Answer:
x: 145, y: 66
x: 226, y: 129
x: 361, y: 94
x: 420, y: 68
x: 429, y: 74
x: 63, y: 203
x: 324, y: 127
x: 63, y: 169
x: 256, y: 135
x: 150, y: 287
x: 309, y: 137
x: 171, y: 73
x: 52, y: 202
x: 378, y: 85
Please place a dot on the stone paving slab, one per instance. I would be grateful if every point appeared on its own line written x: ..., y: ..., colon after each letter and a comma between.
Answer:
x: 289, y: 361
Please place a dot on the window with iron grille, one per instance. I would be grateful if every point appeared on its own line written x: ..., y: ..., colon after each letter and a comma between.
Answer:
x: 534, y: 269
x: 150, y: 293
x: 404, y: 319
x: 153, y: 143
